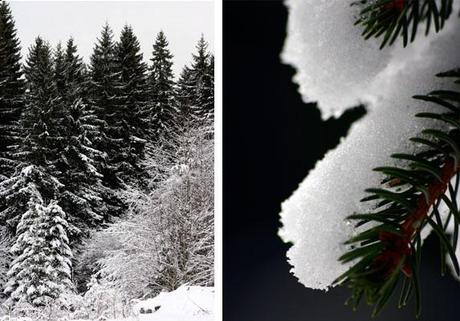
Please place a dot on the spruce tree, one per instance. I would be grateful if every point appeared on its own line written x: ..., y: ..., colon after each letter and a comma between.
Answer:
x: 130, y: 124
x: 203, y: 82
x: 5, y: 258
x: 162, y: 104
x: 103, y: 97
x: 103, y: 77
x: 83, y: 192
x: 75, y: 75
x: 41, y: 269
x: 208, y: 97
x: 42, y: 121
x: 55, y: 137
x: 103, y: 101
x: 40, y: 128
x: 59, y: 68
x: 11, y: 89
x: 30, y: 185
x: 31, y: 182
x: 185, y: 94
x: 132, y: 73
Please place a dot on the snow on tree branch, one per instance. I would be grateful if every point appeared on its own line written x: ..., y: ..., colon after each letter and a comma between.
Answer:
x: 337, y: 68
x: 167, y: 238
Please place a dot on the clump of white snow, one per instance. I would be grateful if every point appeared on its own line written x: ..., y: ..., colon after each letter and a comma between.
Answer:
x: 191, y: 303
x: 332, y: 67
x: 26, y: 171
x: 339, y: 69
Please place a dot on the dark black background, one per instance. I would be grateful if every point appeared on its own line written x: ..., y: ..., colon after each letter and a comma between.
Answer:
x: 271, y: 140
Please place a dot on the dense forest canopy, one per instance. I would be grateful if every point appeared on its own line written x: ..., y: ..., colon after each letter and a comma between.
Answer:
x: 106, y: 170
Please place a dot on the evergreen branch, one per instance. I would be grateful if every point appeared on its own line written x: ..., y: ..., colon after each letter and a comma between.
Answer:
x: 408, y: 201
x: 388, y: 19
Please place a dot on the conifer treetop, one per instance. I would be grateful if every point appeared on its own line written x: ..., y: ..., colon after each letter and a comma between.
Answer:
x: 162, y: 97
x: 12, y: 89
x: 10, y: 57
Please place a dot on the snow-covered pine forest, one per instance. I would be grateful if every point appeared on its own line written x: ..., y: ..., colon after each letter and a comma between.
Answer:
x: 106, y: 175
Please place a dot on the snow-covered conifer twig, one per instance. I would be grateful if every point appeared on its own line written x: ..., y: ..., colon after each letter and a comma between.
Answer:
x: 408, y: 202
x: 411, y: 196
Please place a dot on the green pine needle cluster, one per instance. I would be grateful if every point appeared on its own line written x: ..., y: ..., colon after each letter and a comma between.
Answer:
x: 380, y: 253
x: 389, y: 19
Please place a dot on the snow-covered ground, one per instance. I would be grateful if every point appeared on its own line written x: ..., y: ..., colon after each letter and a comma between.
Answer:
x: 187, y: 303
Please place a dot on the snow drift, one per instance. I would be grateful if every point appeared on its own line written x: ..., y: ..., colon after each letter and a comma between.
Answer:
x: 191, y: 303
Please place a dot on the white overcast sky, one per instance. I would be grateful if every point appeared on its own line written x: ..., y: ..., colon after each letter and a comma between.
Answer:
x: 183, y: 22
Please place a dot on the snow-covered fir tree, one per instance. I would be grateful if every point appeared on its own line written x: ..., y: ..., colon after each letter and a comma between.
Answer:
x: 202, y: 73
x: 83, y: 194
x: 5, y: 258
x: 118, y: 96
x: 11, y: 89
x: 41, y: 269
x: 75, y: 75
x: 104, y: 100
x: 133, y: 81
x: 59, y: 68
x: 70, y: 73
x: 195, y: 87
x: 16, y: 193
x: 30, y: 182
x: 55, y: 138
x: 131, y: 117
x: 184, y: 94
x: 162, y: 105
x: 209, y: 99
x: 41, y: 124
x: 42, y: 127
